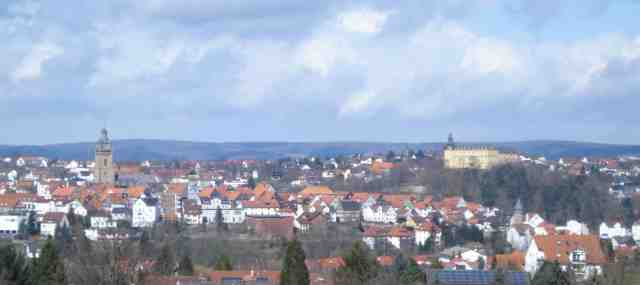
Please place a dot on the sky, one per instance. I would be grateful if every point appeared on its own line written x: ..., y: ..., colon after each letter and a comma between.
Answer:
x: 292, y: 70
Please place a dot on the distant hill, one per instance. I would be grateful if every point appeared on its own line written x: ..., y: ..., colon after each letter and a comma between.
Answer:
x: 137, y: 150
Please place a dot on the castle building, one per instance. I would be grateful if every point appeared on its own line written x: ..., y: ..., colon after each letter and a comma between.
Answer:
x: 483, y: 157
x: 103, y: 167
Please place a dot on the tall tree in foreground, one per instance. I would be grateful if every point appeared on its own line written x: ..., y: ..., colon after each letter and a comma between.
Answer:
x: 406, y: 271
x: 360, y: 266
x: 294, y: 270
x: 48, y: 269
x: 13, y: 266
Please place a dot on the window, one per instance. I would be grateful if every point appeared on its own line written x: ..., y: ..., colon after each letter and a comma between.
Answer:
x: 105, y: 162
x: 578, y: 256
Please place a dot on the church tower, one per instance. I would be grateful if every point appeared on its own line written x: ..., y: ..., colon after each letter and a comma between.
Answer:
x: 103, y: 168
x: 518, y: 214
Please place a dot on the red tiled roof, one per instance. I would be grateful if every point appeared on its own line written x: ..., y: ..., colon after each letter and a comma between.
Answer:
x: 273, y: 277
x: 316, y: 190
x: 385, y: 260
x: 558, y: 247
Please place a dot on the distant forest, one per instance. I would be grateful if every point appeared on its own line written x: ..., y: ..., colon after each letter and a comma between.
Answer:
x: 137, y: 150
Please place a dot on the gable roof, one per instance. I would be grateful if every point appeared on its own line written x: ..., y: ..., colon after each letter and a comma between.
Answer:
x: 316, y: 190
x: 559, y: 247
x: 268, y: 277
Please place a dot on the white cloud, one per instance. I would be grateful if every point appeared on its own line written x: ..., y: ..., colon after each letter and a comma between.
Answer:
x: 366, y: 21
x: 31, y: 65
x: 321, y: 53
x: 487, y: 56
x: 357, y: 103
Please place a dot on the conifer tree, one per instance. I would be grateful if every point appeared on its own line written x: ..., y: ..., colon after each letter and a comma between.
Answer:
x: 551, y: 273
x: 220, y: 224
x: 48, y: 269
x: 185, y: 267
x: 223, y: 263
x: 412, y: 274
x: 165, y: 263
x: 360, y: 266
x: 13, y: 266
x: 294, y: 270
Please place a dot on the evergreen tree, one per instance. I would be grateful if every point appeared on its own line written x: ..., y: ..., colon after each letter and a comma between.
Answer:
x: 294, y: 270
x: 551, y: 274
x: 427, y: 246
x: 71, y: 217
x: 220, y: 224
x: 223, y: 263
x: 32, y: 224
x: 251, y: 182
x: 406, y: 271
x: 412, y: 274
x: 360, y: 266
x: 48, y: 269
x: 165, y: 263
x: 13, y: 266
x: 185, y: 267
x: 481, y: 263
x: 145, y: 245
x: 64, y: 240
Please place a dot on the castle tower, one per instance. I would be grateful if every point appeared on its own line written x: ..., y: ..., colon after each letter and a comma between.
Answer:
x: 103, y: 168
x: 450, y: 143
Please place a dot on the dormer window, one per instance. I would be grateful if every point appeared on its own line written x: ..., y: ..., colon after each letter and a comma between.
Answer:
x: 578, y: 256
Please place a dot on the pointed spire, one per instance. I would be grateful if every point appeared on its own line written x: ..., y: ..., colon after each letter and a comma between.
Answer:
x: 518, y: 207
x: 450, y: 142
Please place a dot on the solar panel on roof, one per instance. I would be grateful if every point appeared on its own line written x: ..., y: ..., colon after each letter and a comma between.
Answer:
x: 477, y: 277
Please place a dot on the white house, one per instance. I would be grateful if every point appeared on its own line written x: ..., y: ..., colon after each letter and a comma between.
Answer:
x: 120, y: 214
x: 581, y: 253
x: 10, y: 224
x: 425, y: 231
x: 613, y: 230
x: 379, y: 214
x: 77, y: 208
x: 574, y: 227
x: 102, y: 221
x: 42, y: 190
x: 146, y: 211
x: 635, y: 231
x: 519, y: 236
x: 533, y: 219
x: 51, y: 222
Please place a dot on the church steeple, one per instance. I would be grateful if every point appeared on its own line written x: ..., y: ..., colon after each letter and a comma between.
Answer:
x: 517, y: 209
x: 450, y: 142
x: 518, y: 213
x: 103, y: 166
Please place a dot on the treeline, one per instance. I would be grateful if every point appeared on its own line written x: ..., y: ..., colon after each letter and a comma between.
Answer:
x: 46, y: 269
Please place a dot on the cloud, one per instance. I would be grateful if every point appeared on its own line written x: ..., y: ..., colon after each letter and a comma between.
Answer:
x: 323, y: 64
x: 31, y: 65
x: 366, y: 21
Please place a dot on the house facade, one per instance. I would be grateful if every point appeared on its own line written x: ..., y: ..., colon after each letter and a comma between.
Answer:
x: 146, y: 212
x: 580, y: 253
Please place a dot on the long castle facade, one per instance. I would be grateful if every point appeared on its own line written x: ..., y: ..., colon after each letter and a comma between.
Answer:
x: 483, y: 157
